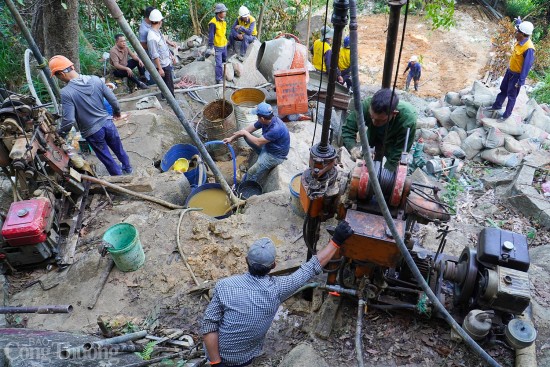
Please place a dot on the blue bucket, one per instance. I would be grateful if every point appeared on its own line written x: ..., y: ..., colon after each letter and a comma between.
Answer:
x: 186, y: 151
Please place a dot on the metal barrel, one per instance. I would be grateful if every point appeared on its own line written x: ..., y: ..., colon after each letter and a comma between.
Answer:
x: 118, y: 339
x: 37, y: 309
x: 244, y: 100
x: 218, y: 123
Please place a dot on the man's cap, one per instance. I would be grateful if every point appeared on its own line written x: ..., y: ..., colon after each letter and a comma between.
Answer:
x: 220, y: 8
x: 414, y: 58
x: 263, y: 109
x: 346, y: 42
x: 327, y: 32
x: 155, y: 16
x: 262, y: 252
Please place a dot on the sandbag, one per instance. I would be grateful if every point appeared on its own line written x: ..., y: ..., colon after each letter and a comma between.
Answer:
x: 443, y: 116
x: 539, y: 119
x: 426, y: 123
x: 502, y: 157
x: 431, y: 147
x: 465, y: 91
x: 442, y: 132
x: 450, y: 146
x: 427, y: 134
x: 530, y: 145
x: 460, y: 117
x: 494, y: 139
x: 461, y: 132
x: 473, y: 144
x: 508, y: 126
x: 453, y: 99
x: 483, y: 96
x: 531, y: 131
x: 512, y: 145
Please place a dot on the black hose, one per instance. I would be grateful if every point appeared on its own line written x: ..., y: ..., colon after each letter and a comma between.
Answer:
x: 393, y: 307
x: 382, y: 203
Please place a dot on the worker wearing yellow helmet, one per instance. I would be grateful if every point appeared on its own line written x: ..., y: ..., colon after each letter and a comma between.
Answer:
x: 243, y: 30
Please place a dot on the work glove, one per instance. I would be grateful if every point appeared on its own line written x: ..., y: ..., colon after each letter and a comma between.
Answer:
x: 342, y: 232
x: 356, y: 153
x: 209, y: 52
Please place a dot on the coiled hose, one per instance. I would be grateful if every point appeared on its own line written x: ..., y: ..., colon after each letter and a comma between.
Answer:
x: 382, y: 203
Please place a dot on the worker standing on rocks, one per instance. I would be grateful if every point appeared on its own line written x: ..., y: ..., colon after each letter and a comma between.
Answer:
x: 385, y: 131
x: 159, y: 51
x: 243, y: 306
x: 244, y: 30
x: 272, y: 147
x: 521, y: 62
x: 82, y: 100
x: 344, y: 63
x: 217, y: 40
x: 322, y: 52
x: 145, y: 26
x: 415, y: 71
x: 118, y: 57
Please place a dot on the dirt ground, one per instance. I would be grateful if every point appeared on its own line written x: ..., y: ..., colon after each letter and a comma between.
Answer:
x: 451, y: 60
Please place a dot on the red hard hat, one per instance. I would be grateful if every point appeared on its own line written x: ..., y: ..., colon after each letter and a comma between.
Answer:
x: 59, y: 63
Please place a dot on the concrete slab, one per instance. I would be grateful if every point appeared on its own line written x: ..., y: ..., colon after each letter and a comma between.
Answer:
x: 303, y: 355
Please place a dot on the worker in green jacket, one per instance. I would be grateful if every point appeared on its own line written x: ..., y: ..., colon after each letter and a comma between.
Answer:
x: 379, y: 125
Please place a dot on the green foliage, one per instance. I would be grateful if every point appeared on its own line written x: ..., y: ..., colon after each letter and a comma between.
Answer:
x: 12, y: 48
x: 522, y: 8
x: 148, y: 350
x: 542, y: 94
x: 381, y: 7
x: 441, y: 13
x: 452, y: 189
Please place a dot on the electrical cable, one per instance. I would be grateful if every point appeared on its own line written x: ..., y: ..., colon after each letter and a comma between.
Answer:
x: 384, y: 208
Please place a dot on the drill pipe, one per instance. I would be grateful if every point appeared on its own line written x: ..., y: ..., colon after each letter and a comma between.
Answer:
x: 117, y: 339
x: 109, y: 349
x: 38, y: 309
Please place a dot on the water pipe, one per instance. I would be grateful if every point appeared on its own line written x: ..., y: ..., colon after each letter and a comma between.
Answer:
x: 117, y: 14
x: 382, y: 203
x: 42, y: 64
x: 233, y: 156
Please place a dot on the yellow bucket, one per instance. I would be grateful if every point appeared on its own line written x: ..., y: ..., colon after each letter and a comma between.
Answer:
x: 181, y: 165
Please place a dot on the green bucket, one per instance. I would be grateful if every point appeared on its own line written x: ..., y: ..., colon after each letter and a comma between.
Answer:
x: 123, y: 244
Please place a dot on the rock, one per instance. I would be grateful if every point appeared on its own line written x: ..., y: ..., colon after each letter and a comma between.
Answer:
x: 237, y: 68
x: 229, y: 72
x: 171, y: 186
x: 253, y: 76
x: 303, y: 355
x: 460, y: 117
x: 483, y: 96
x: 421, y: 177
x: 200, y: 71
x: 453, y: 99
x: 498, y: 177
x: 485, y: 210
x: 443, y: 115
x: 345, y: 159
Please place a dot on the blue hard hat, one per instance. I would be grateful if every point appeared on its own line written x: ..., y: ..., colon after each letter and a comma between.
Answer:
x: 263, y: 109
x: 346, y: 42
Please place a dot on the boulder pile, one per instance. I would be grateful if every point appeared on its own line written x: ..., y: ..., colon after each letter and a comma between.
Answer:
x: 459, y: 126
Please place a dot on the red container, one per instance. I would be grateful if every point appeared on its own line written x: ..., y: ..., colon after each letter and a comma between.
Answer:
x: 27, y: 222
x: 291, y: 86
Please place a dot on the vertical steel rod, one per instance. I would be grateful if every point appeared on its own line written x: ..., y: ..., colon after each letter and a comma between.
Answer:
x: 391, y: 41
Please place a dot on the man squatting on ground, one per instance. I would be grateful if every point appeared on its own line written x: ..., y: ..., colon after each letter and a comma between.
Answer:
x: 521, y: 61
x: 217, y: 41
x: 159, y: 51
x: 82, y: 100
x: 118, y: 57
x: 379, y: 124
x: 272, y: 147
x: 244, y: 30
x: 243, y: 306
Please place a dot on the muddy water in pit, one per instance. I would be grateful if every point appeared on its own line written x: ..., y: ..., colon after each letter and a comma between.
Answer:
x: 214, y: 202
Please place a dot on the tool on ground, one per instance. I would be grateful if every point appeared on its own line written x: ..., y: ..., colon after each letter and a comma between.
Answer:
x: 38, y: 309
x: 102, y: 280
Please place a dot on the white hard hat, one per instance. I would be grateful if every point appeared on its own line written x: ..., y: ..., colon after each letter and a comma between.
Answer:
x: 525, y: 28
x: 414, y: 58
x: 243, y: 11
x: 155, y: 16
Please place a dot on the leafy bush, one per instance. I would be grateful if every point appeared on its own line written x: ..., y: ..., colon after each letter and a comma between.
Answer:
x: 515, y: 8
x: 381, y: 7
x: 542, y: 94
x: 12, y: 48
x: 441, y: 13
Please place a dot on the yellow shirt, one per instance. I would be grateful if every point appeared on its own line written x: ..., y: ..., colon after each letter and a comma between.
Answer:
x: 251, y: 20
x: 516, y: 61
x: 344, y: 60
x: 221, y: 28
x: 320, y: 48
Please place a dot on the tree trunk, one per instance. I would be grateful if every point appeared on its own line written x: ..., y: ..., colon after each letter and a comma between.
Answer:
x: 261, y: 19
x: 61, y: 30
x: 37, y: 25
x: 194, y: 17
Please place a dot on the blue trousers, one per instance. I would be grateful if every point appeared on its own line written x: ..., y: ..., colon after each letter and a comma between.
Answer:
x: 244, y: 42
x: 507, y: 90
x: 410, y: 77
x: 107, y: 137
x: 264, y: 163
x: 221, y: 57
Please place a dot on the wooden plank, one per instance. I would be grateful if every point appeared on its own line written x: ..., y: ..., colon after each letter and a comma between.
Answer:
x: 327, y: 316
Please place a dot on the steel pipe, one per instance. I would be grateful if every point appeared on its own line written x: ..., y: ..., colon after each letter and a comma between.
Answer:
x: 116, y: 340
x: 38, y: 309
x: 391, y: 41
x: 42, y: 64
x: 117, y: 14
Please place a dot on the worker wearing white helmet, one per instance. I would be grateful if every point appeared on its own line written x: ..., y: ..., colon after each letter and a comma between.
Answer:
x: 415, y: 71
x: 521, y: 61
x: 243, y: 30
x: 158, y: 50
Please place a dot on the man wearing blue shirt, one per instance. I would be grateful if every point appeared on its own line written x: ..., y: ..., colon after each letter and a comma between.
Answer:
x: 415, y: 71
x: 521, y: 61
x: 272, y: 147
